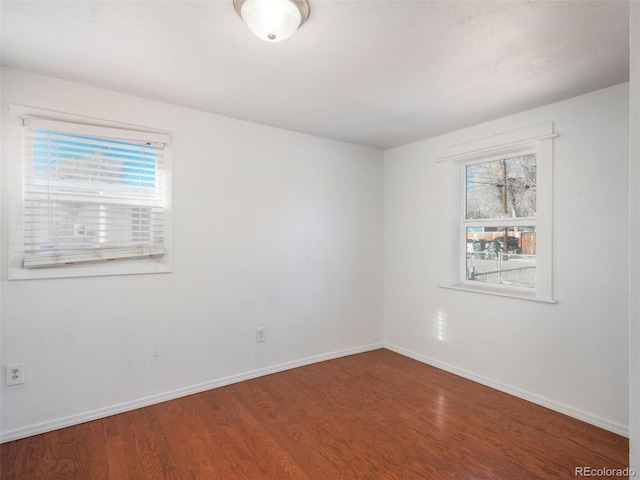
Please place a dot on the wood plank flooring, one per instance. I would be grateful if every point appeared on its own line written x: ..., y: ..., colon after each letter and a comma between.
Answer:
x: 376, y: 415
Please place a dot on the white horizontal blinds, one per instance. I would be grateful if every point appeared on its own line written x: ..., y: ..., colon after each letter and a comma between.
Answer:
x: 91, y: 193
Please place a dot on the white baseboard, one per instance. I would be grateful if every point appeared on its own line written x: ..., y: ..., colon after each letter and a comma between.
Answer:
x: 516, y: 392
x: 44, y: 427
x: 49, y: 426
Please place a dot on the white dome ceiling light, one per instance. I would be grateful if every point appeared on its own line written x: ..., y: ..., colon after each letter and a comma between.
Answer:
x: 273, y: 20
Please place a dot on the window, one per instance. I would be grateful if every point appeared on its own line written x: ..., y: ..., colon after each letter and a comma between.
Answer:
x: 91, y: 195
x: 501, y: 218
x: 499, y: 221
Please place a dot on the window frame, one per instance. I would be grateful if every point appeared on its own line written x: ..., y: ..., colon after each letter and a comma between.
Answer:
x: 536, y: 139
x: 491, y: 222
x: 16, y: 170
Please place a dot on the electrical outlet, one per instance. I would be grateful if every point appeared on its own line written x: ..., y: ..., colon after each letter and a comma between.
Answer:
x: 14, y: 374
x: 261, y: 334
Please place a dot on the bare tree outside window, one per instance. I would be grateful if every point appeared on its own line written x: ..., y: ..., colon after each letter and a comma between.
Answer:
x: 501, y: 188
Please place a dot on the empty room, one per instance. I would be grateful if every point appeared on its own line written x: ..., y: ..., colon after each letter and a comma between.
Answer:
x: 318, y: 239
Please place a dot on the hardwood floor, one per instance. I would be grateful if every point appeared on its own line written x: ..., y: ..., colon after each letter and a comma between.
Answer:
x: 376, y: 415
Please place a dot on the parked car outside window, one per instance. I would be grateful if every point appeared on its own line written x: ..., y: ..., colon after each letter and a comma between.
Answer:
x: 513, y: 244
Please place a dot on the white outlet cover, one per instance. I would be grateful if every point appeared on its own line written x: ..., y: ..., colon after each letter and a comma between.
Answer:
x: 14, y: 374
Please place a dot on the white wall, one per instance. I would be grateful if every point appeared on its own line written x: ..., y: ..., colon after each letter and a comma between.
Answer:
x: 573, y: 355
x: 271, y: 228
x: 634, y: 236
x: 278, y: 229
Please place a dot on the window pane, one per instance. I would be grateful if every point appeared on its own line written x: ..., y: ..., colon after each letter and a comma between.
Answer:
x: 86, y: 164
x: 89, y: 197
x: 501, y: 188
x: 489, y: 260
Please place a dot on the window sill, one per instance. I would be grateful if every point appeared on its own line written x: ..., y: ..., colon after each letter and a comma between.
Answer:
x: 498, y: 292
x: 120, y: 267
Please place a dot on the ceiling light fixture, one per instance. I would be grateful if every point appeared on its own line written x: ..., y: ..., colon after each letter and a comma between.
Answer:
x: 273, y: 20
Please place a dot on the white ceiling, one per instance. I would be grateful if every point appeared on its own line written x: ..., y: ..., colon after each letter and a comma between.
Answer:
x: 378, y: 73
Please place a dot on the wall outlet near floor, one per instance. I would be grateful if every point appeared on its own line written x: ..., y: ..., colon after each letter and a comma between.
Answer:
x: 261, y: 334
x: 14, y: 374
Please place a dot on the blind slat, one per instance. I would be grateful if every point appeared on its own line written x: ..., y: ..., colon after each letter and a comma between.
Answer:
x: 97, y: 255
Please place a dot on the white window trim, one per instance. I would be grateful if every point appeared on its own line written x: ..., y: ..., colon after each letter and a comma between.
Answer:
x: 538, y: 138
x: 15, y: 152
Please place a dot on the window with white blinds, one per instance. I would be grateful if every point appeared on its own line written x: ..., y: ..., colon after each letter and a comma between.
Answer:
x: 91, y: 194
